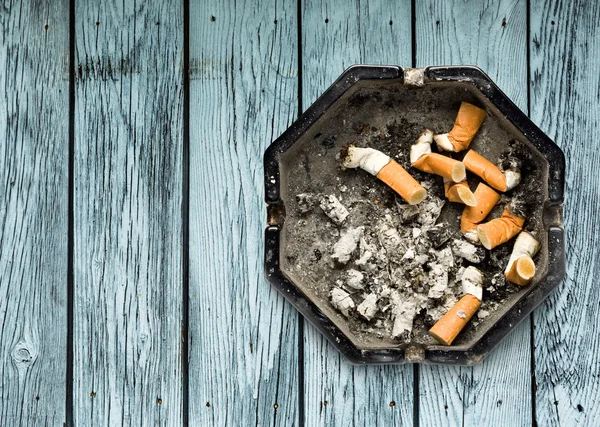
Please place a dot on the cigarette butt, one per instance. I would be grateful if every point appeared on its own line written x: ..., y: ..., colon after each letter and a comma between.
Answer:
x: 522, y: 271
x: 486, y: 199
x: 387, y: 170
x: 402, y: 183
x: 486, y: 170
x: 467, y: 123
x: 450, y: 324
x: 459, y: 192
x: 500, y: 230
x: 521, y: 268
x: 437, y: 164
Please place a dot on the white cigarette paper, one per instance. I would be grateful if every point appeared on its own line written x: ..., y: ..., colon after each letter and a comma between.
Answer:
x: 443, y: 142
x: 472, y: 282
x: 423, y: 146
x: 368, y: 159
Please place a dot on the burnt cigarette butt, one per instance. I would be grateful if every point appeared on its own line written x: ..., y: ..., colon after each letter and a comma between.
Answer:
x: 500, y: 230
x: 459, y: 192
x: 423, y: 159
x: 485, y: 169
x: 387, y: 170
x: 521, y: 268
x: 450, y: 324
x: 467, y: 123
x: 522, y: 271
x: 486, y: 199
x: 402, y: 183
x: 441, y: 165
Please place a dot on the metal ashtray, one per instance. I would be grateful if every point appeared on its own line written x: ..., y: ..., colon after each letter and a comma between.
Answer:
x: 391, y: 105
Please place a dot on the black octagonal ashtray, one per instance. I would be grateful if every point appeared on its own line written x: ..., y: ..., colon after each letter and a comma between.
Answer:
x: 392, y: 102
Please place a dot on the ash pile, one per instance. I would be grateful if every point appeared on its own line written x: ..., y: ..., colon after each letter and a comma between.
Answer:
x: 391, y: 271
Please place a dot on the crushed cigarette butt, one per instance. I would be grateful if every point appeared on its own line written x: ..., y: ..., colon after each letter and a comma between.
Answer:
x: 468, y: 121
x: 450, y: 324
x: 387, y: 170
x: 521, y: 268
x: 486, y: 199
x: 423, y: 159
x: 490, y: 173
x: 459, y: 192
x: 500, y: 230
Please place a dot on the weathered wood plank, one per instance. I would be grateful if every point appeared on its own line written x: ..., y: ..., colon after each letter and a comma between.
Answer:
x: 565, y: 95
x: 243, y: 94
x: 34, y: 153
x: 492, y: 35
x: 128, y: 226
x: 336, y: 35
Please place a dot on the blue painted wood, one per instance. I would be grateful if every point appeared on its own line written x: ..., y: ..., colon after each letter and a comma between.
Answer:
x: 336, y: 35
x: 244, y: 93
x: 565, y: 102
x: 127, y: 213
x: 34, y: 107
x: 243, y: 350
x: 492, y: 35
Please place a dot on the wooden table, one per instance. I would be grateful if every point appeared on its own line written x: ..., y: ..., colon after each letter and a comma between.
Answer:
x: 132, y: 213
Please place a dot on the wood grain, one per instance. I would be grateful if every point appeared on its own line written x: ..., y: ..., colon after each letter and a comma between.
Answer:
x: 492, y: 35
x: 244, y: 93
x: 336, y: 35
x: 565, y: 102
x: 127, y: 212
x: 34, y: 44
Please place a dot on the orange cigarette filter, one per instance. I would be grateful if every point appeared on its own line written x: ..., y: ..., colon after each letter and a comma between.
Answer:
x: 437, y: 164
x: 486, y: 170
x: 402, y: 182
x: 522, y: 271
x: 450, y: 324
x: 486, y: 199
x: 500, y: 230
x: 467, y: 123
x: 459, y: 192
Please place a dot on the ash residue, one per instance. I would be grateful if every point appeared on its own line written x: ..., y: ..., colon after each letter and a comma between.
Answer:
x: 394, y: 266
x: 395, y: 261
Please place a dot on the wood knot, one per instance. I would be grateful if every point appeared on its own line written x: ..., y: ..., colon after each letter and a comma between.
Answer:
x: 23, y: 354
